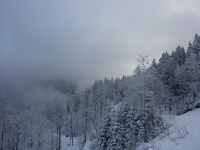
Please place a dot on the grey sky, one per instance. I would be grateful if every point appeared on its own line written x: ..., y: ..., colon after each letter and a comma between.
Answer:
x: 88, y: 40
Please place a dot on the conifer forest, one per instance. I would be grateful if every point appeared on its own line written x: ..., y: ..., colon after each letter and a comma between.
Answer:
x: 112, y: 113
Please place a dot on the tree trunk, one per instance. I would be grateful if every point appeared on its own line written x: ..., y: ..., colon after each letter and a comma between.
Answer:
x: 85, y: 136
x: 94, y: 115
x: 39, y: 142
x: 71, y: 131
x: 2, y: 135
x: 59, y: 140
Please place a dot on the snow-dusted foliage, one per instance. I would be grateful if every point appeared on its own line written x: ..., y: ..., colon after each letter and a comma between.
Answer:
x: 118, y: 114
x: 125, y: 128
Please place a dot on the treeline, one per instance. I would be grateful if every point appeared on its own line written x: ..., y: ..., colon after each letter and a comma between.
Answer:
x: 125, y: 128
x: 180, y: 74
x: 30, y: 129
x: 170, y: 86
x: 39, y: 127
x: 119, y: 113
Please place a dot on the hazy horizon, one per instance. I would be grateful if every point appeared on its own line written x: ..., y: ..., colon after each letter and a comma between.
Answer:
x: 83, y: 41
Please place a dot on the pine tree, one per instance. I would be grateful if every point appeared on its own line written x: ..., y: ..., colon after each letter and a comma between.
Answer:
x: 115, y: 142
x: 139, y: 127
x: 149, y: 122
x: 179, y: 56
x: 154, y: 66
x: 159, y: 124
x: 140, y: 132
x: 104, y: 134
x: 129, y: 131
x: 189, y: 50
x: 196, y: 45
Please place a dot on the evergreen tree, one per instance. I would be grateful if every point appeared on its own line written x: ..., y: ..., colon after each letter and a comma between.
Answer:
x: 159, y: 125
x: 115, y: 142
x: 166, y: 72
x: 129, y: 128
x: 104, y: 134
x: 139, y: 127
x: 140, y: 132
x: 196, y: 45
x: 154, y: 66
x: 179, y: 56
x: 189, y: 50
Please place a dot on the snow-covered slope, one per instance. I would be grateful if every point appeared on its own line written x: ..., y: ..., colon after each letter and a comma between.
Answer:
x: 184, y: 134
x: 65, y: 143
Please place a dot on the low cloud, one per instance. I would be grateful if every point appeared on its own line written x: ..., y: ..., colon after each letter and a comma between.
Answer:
x: 87, y: 40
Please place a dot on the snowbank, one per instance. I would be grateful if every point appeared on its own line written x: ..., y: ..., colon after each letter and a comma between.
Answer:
x: 184, y: 134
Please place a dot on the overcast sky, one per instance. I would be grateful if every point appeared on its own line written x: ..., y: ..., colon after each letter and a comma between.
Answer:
x: 89, y: 39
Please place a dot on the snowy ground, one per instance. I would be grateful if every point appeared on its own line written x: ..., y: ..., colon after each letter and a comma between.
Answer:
x: 65, y: 144
x: 184, y: 134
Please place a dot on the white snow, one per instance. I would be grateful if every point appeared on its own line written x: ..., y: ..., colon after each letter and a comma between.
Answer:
x: 188, y: 122
x: 65, y: 143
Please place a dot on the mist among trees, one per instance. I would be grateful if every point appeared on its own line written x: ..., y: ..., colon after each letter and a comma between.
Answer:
x: 116, y: 114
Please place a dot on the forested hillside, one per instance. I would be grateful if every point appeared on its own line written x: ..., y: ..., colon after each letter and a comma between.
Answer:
x: 115, y: 114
